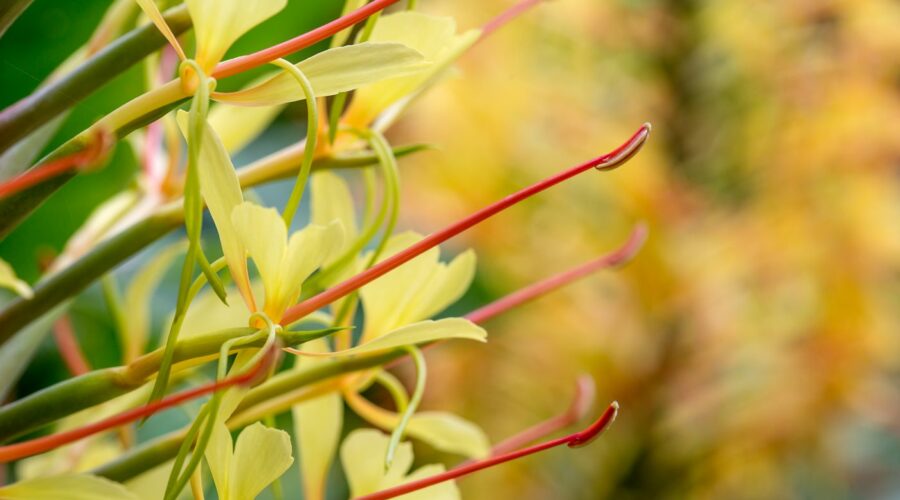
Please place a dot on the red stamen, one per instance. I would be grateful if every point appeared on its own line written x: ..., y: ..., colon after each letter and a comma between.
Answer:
x: 581, y: 403
x: 69, y: 349
x: 535, y: 290
x: 573, y: 440
x: 605, y: 162
x: 507, y: 16
x: 250, y: 61
x: 51, y: 169
x: 40, y: 445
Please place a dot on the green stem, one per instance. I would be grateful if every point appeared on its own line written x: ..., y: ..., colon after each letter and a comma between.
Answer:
x: 78, y: 393
x: 162, y: 449
x: 25, y: 116
x: 407, y: 413
x: 10, y: 10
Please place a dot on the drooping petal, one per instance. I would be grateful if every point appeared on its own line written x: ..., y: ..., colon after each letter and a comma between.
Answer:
x: 336, y: 70
x: 8, y: 279
x: 446, y: 285
x: 261, y: 455
x: 416, y: 334
x: 442, y: 491
x: 137, y: 299
x: 219, y: 23
x: 221, y: 190
x: 261, y: 231
x: 443, y: 431
x: 317, y: 424
x: 433, y: 36
x: 67, y: 487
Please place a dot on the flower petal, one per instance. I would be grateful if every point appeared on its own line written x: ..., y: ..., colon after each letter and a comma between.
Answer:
x: 219, y: 23
x: 306, y: 251
x: 138, y: 296
x: 261, y: 231
x: 443, y: 431
x: 318, y: 424
x: 333, y: 71
x: 362, y: 456
x: 433, y: 36
x: 219, y: 454
x: 332, y: 200
x: 261, y: 456
x: 222, y: 192
x: 442, y: 491
x: 149, y: 7
x: 67, y: 487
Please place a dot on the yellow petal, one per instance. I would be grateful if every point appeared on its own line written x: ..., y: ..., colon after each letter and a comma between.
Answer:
x: 219, y: 23
x: 237, y: 126
x: 443, y: 431
x: 442, y: 491
x: 307, y: 250
x: 222, y: 192
x: 8, y: 279
x: 362, y: 455
x: 333, y: 71
x: 219, y: 456
x: 317, y: 425
x: 415, y: 334
x: 416, y: 290
x: 68, y: 487
x: 261, y: 456
x: 433, y: 36
x: 261, y: 231
x: 332, y: 200
x: 149, y: 8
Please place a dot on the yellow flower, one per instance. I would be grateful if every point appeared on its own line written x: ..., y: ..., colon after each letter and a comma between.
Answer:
x: 247, y: 229
x: 362, y: 455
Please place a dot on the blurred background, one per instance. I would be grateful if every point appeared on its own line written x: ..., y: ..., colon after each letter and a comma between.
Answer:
x: 754, y: 344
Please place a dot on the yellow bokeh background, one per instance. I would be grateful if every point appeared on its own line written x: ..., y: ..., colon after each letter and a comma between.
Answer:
x: 754, y: 343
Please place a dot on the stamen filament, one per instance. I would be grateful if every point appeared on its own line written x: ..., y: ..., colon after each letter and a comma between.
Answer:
x: 581, y: 403
x: 40, y: 445
x: 572, y: 441
x: 250, y: 61
x: 69, y: 350
x: 535, y: 290
x: 605, y: 162
x: 95, y: 150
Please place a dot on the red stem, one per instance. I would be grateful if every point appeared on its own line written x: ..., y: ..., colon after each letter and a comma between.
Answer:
x: 56, y: 167
x: 69, y: 349
x: 40, y: 445
x: 573, y: 441
x: 507, y: 16
x: 250, y: 61
x: 581, y: 403
x: 605, y: 162
x: 535, y: 290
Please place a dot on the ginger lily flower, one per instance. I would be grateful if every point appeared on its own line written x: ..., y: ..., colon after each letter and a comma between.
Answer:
x: 361, y: 455
x: 245, y: 228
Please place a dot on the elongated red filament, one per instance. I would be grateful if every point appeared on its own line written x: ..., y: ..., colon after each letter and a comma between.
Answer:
x: 575, y: 440
x: 605, y: 162
x: 250, y: 61
x: 535, y: 290
x: 97, y: 148
x: 40, y: 445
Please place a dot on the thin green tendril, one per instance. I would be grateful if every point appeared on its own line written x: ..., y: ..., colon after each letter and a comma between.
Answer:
x: 397, y: 434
